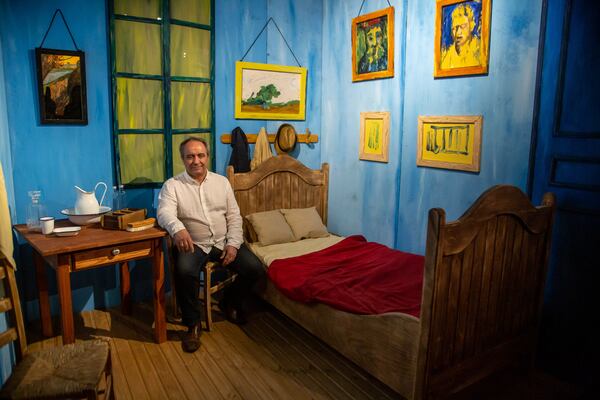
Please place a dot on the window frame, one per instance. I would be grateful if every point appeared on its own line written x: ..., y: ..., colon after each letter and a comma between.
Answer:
x: 167, y: 131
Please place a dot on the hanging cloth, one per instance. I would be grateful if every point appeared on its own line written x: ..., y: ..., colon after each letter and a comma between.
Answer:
x: 262, y: 149
x: 6, y: 240
x: 239, y: 153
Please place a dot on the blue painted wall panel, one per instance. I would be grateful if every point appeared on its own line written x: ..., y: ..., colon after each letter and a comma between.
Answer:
x: 238, y: 23
x: 504, y: 97
x: 363, y: 194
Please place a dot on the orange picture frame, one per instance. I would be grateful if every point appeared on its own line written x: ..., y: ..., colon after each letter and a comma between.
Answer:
x: 373, y: 45
x: 462, y: 31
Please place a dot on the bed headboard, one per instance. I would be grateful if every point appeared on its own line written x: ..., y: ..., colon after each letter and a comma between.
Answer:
x: 483, y: 288
x: 281, y: 182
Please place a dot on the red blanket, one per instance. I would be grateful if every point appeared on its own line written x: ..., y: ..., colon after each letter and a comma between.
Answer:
x: 354, y: 275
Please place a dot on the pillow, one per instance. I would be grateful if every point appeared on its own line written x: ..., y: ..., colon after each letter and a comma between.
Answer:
x: 271, y: 228
x: 305, y: 222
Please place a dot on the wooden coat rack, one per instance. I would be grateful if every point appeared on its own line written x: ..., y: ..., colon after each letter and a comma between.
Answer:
x: 307, y: 137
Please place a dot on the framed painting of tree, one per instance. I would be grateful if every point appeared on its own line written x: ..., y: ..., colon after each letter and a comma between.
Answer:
x: 268, y: 91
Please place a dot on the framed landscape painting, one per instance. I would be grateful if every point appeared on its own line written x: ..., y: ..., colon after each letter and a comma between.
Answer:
x: 61, y: 86
x: 449, y: 142
x: 462, y: 31
x: 373, y: 45
x: 268, y: 91
x: 374, y: 136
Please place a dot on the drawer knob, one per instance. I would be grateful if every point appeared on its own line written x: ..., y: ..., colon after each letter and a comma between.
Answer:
x: 116, y: 252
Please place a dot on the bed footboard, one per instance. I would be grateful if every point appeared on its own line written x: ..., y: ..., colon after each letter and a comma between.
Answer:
x: 483, y: 288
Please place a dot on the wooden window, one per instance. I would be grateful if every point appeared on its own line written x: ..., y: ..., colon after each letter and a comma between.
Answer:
x: 162, y: 55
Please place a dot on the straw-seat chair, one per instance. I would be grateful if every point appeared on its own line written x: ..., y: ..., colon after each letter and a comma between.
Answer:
x: 81, y: 370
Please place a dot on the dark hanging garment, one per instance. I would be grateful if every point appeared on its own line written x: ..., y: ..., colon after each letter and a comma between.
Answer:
x: 239, y: 154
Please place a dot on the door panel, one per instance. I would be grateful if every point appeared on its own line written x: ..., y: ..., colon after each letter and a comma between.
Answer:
x: 567, y: 162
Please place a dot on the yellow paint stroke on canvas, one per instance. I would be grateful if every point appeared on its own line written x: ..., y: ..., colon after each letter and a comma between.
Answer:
x: 373, y: 136
x: 449, y: 142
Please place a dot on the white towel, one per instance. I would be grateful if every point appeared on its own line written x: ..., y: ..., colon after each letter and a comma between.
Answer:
x: 262, y: 149
x: 6, y: 240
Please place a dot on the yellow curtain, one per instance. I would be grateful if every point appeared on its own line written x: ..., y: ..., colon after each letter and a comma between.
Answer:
x: 6, y: 241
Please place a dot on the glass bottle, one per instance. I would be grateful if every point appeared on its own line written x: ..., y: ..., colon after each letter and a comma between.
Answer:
x: 122, y: 197
x: 35, y: 210
x: 118, y: 197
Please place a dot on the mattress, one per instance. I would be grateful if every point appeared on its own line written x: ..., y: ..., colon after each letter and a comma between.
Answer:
x: 267, y: 254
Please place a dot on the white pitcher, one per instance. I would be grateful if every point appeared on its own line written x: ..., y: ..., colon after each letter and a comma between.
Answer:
x: 86, y: 202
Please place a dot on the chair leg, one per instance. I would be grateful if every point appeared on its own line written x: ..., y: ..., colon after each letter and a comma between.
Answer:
x: 207, y: 297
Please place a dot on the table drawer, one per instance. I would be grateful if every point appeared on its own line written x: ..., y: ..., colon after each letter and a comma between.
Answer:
x: 112, y: 255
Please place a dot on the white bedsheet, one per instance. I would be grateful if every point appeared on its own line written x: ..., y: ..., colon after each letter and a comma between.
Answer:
x: 268, y: 254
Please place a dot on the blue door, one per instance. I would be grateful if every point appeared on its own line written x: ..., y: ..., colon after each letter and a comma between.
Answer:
x: 566, y: 161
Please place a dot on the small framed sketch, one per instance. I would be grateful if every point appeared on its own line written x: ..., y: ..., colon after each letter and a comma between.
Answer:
x: 374, y: 136
x: 268, y: 91
x: 373, y: 45
x: 450, y: 142
x: 61, y: 86
x: 462, y: 31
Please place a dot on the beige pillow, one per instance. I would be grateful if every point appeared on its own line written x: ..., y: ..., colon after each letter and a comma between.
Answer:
x: 271, y: 227
x: 305, y: 222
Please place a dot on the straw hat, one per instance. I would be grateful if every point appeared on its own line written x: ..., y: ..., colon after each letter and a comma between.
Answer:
x: 286, y: 138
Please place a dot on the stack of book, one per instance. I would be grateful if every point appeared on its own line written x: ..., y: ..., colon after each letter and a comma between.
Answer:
x: 141, y: 225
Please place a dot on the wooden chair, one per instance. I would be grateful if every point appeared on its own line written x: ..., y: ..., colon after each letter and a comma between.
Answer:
x: 80, y: 370
x: 208, y: 287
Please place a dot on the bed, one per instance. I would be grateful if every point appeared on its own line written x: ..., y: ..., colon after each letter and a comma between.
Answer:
x: 482, y: 290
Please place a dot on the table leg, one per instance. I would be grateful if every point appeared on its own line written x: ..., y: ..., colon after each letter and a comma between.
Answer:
x: 42, y: 284
x: 63, y: 280
x: 125, y: 289
x: 158, y: 272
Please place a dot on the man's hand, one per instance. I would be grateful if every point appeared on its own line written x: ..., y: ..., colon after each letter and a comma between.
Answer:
x: 183, y: 241
x: 228, y: 255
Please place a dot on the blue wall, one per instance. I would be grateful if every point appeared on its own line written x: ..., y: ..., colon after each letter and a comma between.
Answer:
x: 505, y: 98
x: 238, y: 22
x: 389, y: 202
x: 365, y: 193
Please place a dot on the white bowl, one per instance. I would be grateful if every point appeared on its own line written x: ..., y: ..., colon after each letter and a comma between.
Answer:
x: 67, y: 231
x: 84, y: 219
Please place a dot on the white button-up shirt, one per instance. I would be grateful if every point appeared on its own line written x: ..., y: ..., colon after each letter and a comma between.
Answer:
x: 208, y: 210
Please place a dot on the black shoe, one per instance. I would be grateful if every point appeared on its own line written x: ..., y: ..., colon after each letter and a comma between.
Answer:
x: 233, y: 314
x: 190, y: 342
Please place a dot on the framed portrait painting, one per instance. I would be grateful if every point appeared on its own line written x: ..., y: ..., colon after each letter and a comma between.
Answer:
x: 462, y: 31
x: 374, y: 136
x: 449, y: 142
x: 268, y: 91
x: 373, y: 45
x: 61, y: 86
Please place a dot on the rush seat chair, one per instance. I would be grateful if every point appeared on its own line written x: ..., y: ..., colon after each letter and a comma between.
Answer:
x: 81, y: 370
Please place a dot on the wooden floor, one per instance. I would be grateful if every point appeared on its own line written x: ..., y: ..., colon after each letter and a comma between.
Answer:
x: 269, y: 358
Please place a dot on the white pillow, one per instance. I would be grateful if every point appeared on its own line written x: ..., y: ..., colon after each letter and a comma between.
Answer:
x: 271, y: 228
x: 305, y: 222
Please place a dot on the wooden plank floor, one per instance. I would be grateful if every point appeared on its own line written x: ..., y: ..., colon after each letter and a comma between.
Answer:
x: 271, y: 357
x: 268, y: 358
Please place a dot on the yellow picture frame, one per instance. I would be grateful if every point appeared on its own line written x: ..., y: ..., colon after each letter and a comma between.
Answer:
x: 374, y: 136
x: 450, y: 142
x: 269, y: 91
x: 462, y: 32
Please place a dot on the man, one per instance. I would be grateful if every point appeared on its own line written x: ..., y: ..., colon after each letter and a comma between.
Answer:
x: 198, y: 209
x: 375, y: 57
x: 465, y: 49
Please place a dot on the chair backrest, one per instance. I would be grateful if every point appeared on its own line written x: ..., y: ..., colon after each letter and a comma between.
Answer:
x: 10, y: 304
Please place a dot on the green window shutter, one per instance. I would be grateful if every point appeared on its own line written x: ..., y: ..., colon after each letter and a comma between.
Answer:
x: 162, y: 84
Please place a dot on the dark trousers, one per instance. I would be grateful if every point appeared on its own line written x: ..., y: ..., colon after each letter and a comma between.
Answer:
x: 187, y: 279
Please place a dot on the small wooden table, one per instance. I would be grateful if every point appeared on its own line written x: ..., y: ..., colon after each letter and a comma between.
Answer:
x: 95, y: 247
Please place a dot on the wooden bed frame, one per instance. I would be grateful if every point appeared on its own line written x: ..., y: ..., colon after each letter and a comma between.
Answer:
x: 482, y: 294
